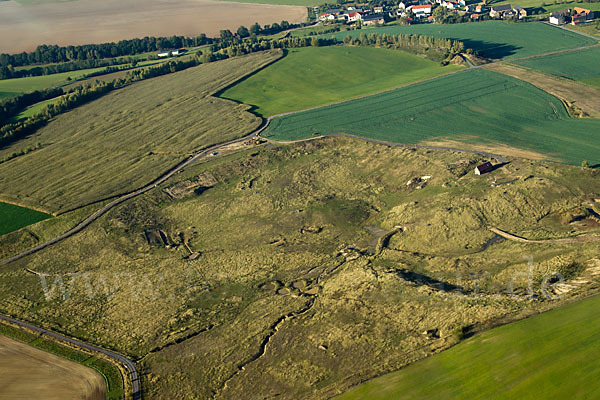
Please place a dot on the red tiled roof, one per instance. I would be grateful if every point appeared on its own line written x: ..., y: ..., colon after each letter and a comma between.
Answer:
x: 421, y: 7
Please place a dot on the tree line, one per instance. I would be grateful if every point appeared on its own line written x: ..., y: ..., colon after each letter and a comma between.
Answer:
x: 88, y: 55
x: 46, y: 54
x: 436, y: 48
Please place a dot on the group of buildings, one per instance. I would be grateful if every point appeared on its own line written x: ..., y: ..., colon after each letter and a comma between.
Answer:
x: 417, y: 9
x: 575, y: 16
x: 423, y: 9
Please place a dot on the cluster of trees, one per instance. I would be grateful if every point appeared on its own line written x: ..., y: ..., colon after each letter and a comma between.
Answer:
x: 441, y: 48
x: 254, y: 44
x: 46, y: 54
x: 226, y: 37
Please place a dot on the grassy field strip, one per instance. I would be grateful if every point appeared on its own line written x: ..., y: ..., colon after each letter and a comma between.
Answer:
x: 574, y: 93
x: 539, y: 357
x: 581, y: 65
x: 310, y: 77
x: 474, y: 106
x: 31, y: 83
x: 13, y: 217
x: 493, y: 39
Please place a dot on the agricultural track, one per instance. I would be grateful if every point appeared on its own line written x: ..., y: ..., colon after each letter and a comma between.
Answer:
x: 570, y: 240
x: 134, y: 377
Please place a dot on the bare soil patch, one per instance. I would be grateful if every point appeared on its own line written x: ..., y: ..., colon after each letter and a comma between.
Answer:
x: 25, y: 26
x: 29, y: 373
x: 496, y: 148
x: 582, y: 97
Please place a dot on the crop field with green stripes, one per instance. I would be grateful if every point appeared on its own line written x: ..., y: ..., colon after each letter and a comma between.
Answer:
x: 492, y: 39
x: 475, y: 107
x: 582, y: 65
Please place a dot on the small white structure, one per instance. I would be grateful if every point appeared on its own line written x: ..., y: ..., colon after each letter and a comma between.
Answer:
x: 421, y: 10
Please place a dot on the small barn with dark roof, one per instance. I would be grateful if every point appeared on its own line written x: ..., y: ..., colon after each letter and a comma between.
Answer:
x: 483, y: 168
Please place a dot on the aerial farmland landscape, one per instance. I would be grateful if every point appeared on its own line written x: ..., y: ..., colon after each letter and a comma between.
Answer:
x: 294, y: 199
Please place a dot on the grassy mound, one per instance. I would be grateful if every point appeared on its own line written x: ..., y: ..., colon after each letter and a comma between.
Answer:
x: 315, y: 76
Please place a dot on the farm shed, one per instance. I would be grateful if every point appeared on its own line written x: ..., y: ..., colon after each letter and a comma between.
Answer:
x: 483, y: 168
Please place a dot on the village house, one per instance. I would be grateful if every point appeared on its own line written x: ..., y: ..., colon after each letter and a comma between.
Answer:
x: 354, y: 17
x: 521, y: 12
x: 498, y: 11
x: 171, y: 52
x: 559, y: 17
x: 421, y: 10
x: 373, y: 20
x: 581, y: 16
x: 483, y: 168
x: 378, y: 10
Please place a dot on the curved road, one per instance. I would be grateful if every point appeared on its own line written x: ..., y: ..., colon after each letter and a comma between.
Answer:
x: 133, y: 372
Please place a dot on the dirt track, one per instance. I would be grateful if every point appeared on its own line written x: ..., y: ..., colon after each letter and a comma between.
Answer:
x: 23, y: 27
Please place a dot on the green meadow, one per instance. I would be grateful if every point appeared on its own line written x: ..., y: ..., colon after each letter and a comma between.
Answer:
x: 14, y: 217
x: 582, y: 65
x: 314, y: 76
x: 550, y: 356
x: 492, y: 39
x: 476, y: 107
x: 14, y: 87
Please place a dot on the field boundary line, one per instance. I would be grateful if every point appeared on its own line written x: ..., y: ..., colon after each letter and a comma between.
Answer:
x: 498, y: 157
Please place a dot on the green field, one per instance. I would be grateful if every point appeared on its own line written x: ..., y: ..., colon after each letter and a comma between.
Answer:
x: 493, y: 39
x: 14, y: 217
x: 478, y: 107
x: 314, y: 76
x: 24, y: 85
x: 549, y: 356
x: 582, y: 65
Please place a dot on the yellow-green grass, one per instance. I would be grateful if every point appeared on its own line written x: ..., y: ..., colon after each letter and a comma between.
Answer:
x: 128, y: 137
x: 314, y: 76
x: 549, y: 356
x: 493, y: 39
x: 14, y: 217
x: 582, y: 65
x: 368, y: 316
x: 24, y: 85
x: 477, y: 107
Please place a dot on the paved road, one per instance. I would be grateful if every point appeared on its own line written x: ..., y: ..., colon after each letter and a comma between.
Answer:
x: 130, y: 365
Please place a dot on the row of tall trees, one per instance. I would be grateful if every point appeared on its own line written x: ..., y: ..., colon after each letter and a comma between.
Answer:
x: 12, y: 106
x: 439, y: 48
x: 46, y: 54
